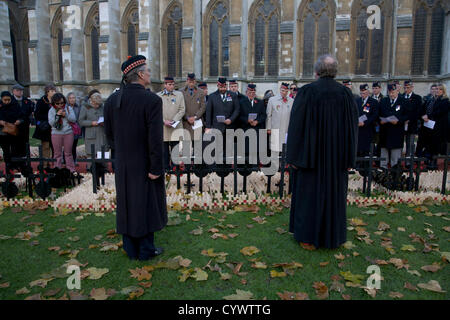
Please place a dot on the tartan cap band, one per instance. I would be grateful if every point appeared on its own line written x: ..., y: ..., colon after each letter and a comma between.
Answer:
x: 134, y: 65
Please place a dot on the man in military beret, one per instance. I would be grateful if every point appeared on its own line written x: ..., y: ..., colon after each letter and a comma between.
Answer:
x: 348, y: 84
x: 222, y: 109
x: 173, y: 113
x: 278, y: 115
x: 234, y: 87
x: 204, y: 87
x: 376, y: 91
x: 194, y: 101
x: 377, y: 95
x: 394, y: 112
x: 415, y: 103
x: 368, y: 114
x: 293, y: 90
x: 134, y: 128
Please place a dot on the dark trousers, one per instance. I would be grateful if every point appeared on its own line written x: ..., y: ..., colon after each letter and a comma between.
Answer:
x: 363, y: 166
x: 74, y: 149
x: 22, y: 142
x: 409, y: 137
x: 9, y: 145
x: 168, y: 145
x: 139, y: 248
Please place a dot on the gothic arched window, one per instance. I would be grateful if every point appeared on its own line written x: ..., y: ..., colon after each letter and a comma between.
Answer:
x: 57, y: 39
x: 369, y: 44
x: 132, y: 32
x: 428, y: 35
x: 92, y: 32
x: 265, y: 25
x: 173, y: 27
x: 218, y: 49
x: 95, y: 53
x: 316, y: 25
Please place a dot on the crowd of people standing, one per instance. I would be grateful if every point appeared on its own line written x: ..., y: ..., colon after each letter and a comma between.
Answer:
x: 59, y: 123
x: 390, y: 122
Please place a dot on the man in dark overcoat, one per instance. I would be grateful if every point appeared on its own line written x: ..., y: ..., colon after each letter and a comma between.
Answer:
x: 134, y: 128
x: 415, y: 103
x: 392, y: 131
x: 368, y: 114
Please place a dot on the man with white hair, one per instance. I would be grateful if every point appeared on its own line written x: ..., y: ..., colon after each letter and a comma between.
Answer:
x: 134, y: 128
x: 321, y: 146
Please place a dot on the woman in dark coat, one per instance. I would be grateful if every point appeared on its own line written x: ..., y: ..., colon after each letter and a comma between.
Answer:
x: 435, y: 140
x: 43, y: 130
x: 10, y: 112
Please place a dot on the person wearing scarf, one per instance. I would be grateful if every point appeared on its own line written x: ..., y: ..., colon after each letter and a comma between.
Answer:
x: 59, y: 117
x: 10, y: 112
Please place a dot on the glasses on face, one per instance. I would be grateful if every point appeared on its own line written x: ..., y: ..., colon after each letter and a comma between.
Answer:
x: 61, y: 103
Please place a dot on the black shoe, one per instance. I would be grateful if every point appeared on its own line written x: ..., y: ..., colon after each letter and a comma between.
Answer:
x: 152, y: 254
x: 157, y: 252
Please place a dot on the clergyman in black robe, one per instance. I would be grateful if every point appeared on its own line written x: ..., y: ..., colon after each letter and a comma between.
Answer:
x: 134, y: 128
x: 321, y: 146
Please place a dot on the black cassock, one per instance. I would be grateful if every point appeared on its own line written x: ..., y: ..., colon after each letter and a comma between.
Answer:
x: 322, y: 142
x: 135, y: 131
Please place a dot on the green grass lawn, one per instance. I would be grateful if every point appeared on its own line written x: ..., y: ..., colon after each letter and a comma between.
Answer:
x: 22, y: 262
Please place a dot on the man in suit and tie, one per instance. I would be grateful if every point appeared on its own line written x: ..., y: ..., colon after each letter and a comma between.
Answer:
x: 415, y: 102
x: 252, y: 115
x: 377, y: 95
x: 234, y: 87
x: 392, y: 129
x: 222, y: 109
x: 376, y: 91
x: 368, y: 114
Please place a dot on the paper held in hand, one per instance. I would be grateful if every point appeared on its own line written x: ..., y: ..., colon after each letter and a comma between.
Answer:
x: 99, y: 154
x: 429, y: 124
x: 100, y: 120
x: 197, y: 124
x: 174, y: 125
x: 389, y: 119
x: 220, y: 119
x: 252, y: 116
x: 363, y: 118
